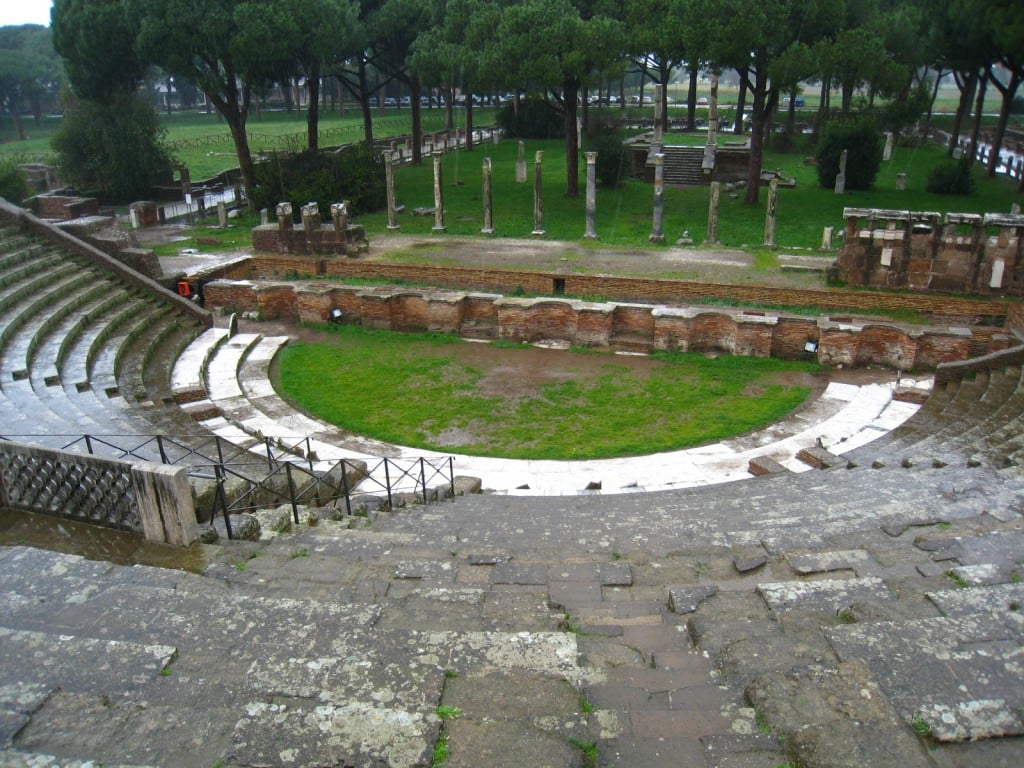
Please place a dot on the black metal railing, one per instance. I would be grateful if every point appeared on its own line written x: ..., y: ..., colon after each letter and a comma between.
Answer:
x: 283, y: 471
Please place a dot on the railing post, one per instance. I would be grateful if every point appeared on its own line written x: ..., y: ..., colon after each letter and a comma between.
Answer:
x: 344, y: 483
x: 291, y: 491
x: 88, y: 444
x: 270, y: 454
x: 309, y: 457
x: 387, y: 482
x: 423, y: 481
x: 220, y: 451
x: 160, y: 447
x: 218, y: 472
x: 451, y: 474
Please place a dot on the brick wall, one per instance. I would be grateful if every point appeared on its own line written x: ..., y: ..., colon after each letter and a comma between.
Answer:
x: 633, y: 327
x: 964, y: 253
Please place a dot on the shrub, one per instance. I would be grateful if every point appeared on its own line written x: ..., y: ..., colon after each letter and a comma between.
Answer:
x: 354, y: 173
x: 536, y: 119
x: 953, y: 177
x: 13, y: 185
x: 604, y: 135
x: 863, y: 143
x: 114, y: 149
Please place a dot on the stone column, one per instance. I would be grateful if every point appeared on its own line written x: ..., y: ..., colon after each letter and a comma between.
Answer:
x: 538, y: 196
x: 389, y: 182
x: 264, y: 216
x: 222, y: 213
x: 438, y: 197
x: 887, y: 152
x: 284, y: 219
x: 339, y: 215
x: 658, y: 116
x: 591, y: 233
x: 521, y: 164
x: 841, y: 176
x: 826, y: 239
x: 657, y: 236
x: 901, y: 182
x: 311, y: 222
x: 488, y: 228
x: 769, y: 218
x: 716, y: 193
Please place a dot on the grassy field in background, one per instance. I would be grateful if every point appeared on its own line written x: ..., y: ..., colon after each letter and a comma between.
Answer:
x: 624, y: 214
x: 436, y: 392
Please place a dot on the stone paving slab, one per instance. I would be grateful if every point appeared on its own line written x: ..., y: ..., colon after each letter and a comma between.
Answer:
x: 831, y: 595
x: 67, y: 661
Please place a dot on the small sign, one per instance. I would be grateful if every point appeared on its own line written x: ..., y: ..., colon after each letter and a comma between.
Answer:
x: 188, y: 198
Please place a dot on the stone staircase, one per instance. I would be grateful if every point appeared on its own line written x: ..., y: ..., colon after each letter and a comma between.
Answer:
x: 825, y: 618
x: 683, y: 166
x: 976, y: 421
x: 83, y: 352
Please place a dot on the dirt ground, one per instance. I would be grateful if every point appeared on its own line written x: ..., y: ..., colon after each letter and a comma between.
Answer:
x: 720, y: 265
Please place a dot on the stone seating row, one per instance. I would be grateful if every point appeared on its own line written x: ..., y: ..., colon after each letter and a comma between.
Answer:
x: 82, y: 352
x: 969, y: 420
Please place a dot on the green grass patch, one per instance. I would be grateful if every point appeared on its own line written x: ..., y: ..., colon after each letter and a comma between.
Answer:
x: 436, y: 392
x: 624, y: 213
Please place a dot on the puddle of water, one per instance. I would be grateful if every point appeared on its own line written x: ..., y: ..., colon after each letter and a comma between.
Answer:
x: 18, y: 528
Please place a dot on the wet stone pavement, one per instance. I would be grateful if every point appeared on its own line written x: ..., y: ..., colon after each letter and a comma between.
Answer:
x: 853, y: 617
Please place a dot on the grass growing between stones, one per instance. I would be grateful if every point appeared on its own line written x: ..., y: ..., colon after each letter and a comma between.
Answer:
x: 438, y: 392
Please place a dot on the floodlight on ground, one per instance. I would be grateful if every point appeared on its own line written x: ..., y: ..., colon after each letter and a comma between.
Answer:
x: 810, y: 346
x: 334, y: 316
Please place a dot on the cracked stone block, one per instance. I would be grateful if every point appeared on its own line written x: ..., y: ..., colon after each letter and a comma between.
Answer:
x: 688, y: 599
x: 830, y: 595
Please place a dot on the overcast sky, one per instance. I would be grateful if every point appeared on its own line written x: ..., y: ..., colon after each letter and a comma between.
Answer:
x: 25, y: 12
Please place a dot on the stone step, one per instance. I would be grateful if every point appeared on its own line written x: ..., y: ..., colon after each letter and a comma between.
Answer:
x: 961, y: 674
x: 188, y: 375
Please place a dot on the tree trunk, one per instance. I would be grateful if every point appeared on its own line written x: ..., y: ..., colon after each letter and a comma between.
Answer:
x: 168, y: 103
x: 741, y: 102
x: 417, y: 125
x: 1007, y: 92
x: 622, y: 94
x: 966, y: 83
x: 691, y: 97
x: 570, y: 91
x: 824, y: 97
x: 931, y: 105
x: 449, y: 101
x: 287, y: 95
x: 585, y: 108
x: 791, y: 114
x: 761, y: 110
x: 664, y: 74
x: 19, y: 126
x: 364, y: 102
x: 972, y: 147
x: 241, y: 142
x: 469, y: 123
x: 313, y: 113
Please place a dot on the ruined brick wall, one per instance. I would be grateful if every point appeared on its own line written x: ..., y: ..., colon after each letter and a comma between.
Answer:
x: 946, y: 309
x: 964, y: 253
x: 64, y: 207
x: 832, y: 340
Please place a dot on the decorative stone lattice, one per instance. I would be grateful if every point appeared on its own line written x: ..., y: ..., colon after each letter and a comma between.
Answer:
x: 79, y: 490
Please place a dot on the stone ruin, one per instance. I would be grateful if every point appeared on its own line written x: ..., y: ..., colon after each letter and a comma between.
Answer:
x: 924, y: 251
x: 339, y: 238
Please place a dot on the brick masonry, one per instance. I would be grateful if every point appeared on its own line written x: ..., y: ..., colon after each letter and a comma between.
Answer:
x: 919, y: 251
x: 835, y: 339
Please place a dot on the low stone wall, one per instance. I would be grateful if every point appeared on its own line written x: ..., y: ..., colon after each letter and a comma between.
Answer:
x: 312, y: 237
x: 943, y: 310
x: 65, y: 207
x: 831, y: 340
x: 150, y: 499
x: 924, y: 251
x: 954, y: 371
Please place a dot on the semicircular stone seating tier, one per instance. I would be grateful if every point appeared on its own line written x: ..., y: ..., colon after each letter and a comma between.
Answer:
x: 83, y: 351
x: 238, y: 402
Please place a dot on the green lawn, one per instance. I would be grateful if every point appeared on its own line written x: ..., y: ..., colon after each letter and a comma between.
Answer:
x: 438, y: 392
x: 624, y: 213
